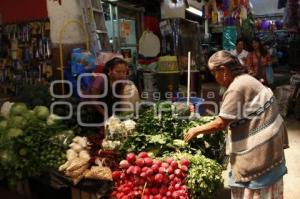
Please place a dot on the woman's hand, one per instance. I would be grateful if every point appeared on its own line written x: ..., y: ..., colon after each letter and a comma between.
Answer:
x: 214, y: 126
x: 191, y: 134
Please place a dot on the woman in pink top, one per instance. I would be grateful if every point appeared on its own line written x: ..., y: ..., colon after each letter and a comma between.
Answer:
x: 257, y: 61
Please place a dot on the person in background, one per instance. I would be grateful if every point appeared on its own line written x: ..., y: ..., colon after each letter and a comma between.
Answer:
x: 258, y: 60
x: 257, y: 136
x: 240, y: 52
x: 115, y: 69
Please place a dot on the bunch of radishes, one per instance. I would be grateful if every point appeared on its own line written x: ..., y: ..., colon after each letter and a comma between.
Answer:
x: 147, y: 178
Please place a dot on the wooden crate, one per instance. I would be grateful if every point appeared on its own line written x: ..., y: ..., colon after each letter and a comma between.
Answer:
x: 23, y: 188
x: 78, y: 194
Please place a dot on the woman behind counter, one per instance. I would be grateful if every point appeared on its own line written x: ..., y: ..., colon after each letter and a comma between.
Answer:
x: 258, y: 60
x: 257, y: 132
x: 115, y: 69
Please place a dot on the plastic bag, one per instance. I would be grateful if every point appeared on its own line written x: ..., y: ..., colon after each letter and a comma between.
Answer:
x: 229, y: 38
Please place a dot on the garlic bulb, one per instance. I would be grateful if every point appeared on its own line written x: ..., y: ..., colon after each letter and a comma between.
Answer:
x: 76, y: 147
x: 85, y: 155
x: 71, y: 154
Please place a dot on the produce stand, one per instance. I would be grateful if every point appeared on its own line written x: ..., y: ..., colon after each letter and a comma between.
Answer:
x: 85, y: 189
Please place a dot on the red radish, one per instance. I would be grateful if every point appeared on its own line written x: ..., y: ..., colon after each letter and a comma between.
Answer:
x: 130, y: 170
x: 154, y: 191
x: 175, y: 195
x: 177, y: 172
x: 162, y: 170
x: 184, y: 187
x: 172, y: 183
x: 143, y: 155
x: 131, y: 157
x: 123, y: 176
x: 158, y: 162
x: 142, y: 182
x: 164, y: 197
x: 155, y: 168
x: 163, y: 190
x: 182, y: 197
x: 169, y: 193
x: 145, y: 197
x: 178, y: 180
x: 148, y: 161
x: 159, y: 178
x: 165, y: 165
x: 177, y: 186
x: 146, y: 191
x: 170, y: 170
x: 174, y: 165
x: 116, y: 175
x: 165, y: 179
x: 184, y: 168
x: 145, y: 169
x: 151, y: 179
x: 125, y: 197
x: 172, y: 176
x: 124, y: 164
x: 157, y: 196
x: 169, y: 160
x: 171, y: 189
x: 140, y: 162
x: 143, y: 174
x: 136, y: 193
x: 149, y: 172
x: 184, y: 161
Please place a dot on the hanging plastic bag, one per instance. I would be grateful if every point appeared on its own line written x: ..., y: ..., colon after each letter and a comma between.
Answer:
x: 229, y: 38
x: 149, y: 44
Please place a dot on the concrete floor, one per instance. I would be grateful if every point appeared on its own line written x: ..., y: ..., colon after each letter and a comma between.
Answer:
x: 292, y: 179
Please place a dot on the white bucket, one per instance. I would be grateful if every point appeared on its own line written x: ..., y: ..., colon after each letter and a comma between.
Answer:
x: 149, y: 82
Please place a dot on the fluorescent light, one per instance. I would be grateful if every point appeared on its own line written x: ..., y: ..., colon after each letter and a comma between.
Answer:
x: 194, y: 11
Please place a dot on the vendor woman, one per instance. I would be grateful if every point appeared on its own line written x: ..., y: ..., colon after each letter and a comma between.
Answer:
x: 115, y: 69
x: 257, y: 136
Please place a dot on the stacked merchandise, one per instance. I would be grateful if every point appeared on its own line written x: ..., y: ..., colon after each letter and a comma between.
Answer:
x: 25, y: 57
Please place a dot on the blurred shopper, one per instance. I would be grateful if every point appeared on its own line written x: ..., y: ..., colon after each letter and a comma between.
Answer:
x: 258, y: 60
x: 239, y: 52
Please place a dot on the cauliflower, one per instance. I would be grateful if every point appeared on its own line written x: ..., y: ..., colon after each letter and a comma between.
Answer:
x: 129, y: 125
x: 113, y: 123
x: 5, y: 109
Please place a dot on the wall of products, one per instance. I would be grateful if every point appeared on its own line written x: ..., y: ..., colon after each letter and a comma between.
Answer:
x: 25, y: 56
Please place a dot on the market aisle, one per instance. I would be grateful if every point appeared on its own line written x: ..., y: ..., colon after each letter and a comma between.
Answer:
x: 292, y: 180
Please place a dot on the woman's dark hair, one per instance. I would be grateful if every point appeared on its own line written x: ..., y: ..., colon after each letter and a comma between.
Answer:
x: 262, y: 50
x: 240, y: 40
x: 111, y: 64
